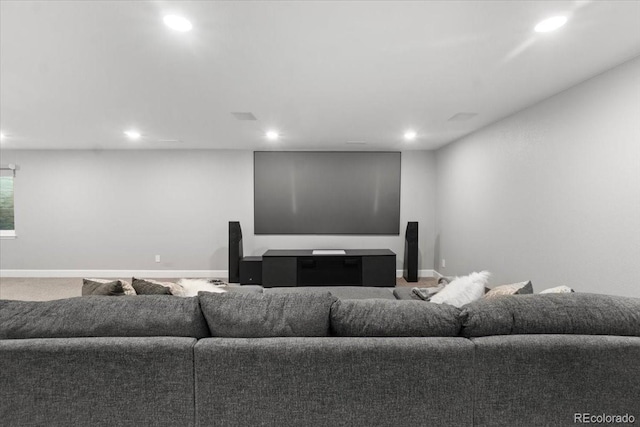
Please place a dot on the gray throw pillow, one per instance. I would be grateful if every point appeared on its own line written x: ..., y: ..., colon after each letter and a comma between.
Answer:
x: 575, y: 313
x: 340, y: 292
x: 385, y: 318
x: 405, y: 293
x: 101, y: 287
x: 95, y: 316
x: 254, y: 315
x: 149, y: 287
x: 520, y: 288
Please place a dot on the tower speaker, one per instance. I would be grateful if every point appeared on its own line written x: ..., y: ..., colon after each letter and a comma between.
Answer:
x: 235, y: 251
x: 411, y: 252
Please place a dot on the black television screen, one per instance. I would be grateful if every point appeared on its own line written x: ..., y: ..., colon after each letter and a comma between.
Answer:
x: 304, y: 192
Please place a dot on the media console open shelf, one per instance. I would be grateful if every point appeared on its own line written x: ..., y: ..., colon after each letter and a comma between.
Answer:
x: 354, y: 267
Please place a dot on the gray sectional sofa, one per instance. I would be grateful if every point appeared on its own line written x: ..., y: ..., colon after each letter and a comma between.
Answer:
x: 295, y: 359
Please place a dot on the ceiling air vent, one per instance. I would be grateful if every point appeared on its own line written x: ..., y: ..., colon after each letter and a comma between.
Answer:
x: 462, y: 117
x: 244, y: 116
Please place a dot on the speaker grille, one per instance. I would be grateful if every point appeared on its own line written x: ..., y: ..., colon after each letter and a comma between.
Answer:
x: 235, y: 251
x: 411, y: 252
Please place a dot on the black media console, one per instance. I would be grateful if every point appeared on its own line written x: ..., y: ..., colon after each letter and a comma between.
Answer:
x: 351, y: 267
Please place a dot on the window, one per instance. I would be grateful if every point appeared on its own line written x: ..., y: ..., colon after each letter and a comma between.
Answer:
x: 7, y: 221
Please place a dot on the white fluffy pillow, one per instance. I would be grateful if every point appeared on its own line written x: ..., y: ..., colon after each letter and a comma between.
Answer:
x: 463, y: 290
x: 191, y: 287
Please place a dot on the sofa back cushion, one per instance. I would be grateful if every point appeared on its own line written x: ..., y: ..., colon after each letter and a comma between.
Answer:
x: 100, y: 316
x: 340, y: 292
x: 255, y: 315
x: 385, y: 318
x: 577, y: 313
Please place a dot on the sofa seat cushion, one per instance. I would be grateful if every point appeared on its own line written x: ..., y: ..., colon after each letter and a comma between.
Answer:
x: 577, y: 313
x: 100, y: 316
x: 244, y: 289
x: 256, y: 315
x: 405, y: 293
x: 384, y: 318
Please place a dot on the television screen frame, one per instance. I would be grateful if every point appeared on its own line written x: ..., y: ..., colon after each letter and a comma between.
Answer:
x: 377, y: 230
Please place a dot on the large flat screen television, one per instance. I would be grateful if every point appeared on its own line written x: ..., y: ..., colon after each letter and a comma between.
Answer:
x: 305, y: 192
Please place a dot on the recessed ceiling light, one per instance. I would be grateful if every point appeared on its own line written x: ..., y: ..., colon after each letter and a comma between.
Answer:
x: 272, y: 135
x: 550, y: 24
x: 178, y: 23
x: 410, y: 135
x: 132, y: 134
x: 2, y: 136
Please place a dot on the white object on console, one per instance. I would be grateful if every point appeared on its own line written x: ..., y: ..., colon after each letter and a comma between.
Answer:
x: 329, y: 252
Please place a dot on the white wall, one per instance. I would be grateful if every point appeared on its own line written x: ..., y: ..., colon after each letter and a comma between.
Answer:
x: 550, y: 194
x: 115, y: 210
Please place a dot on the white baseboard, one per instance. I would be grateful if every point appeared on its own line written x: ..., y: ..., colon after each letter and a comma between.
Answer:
x: 156, y: 274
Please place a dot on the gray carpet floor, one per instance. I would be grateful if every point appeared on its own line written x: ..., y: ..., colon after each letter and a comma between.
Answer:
x: 44, y: 289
